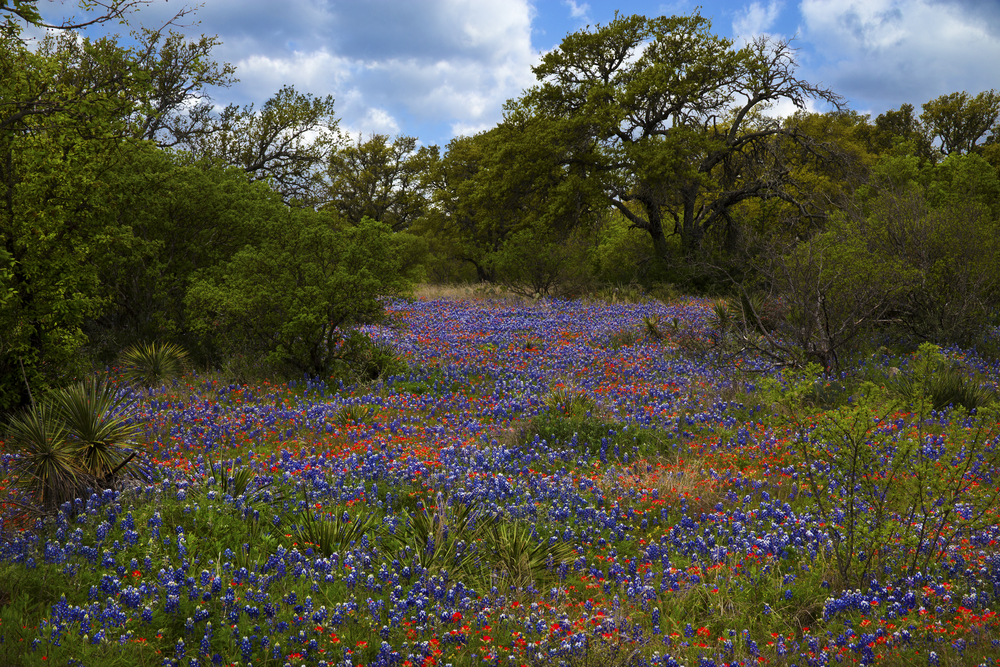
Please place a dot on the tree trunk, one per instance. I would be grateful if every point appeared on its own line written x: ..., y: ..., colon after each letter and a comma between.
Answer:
x: 691, y: 230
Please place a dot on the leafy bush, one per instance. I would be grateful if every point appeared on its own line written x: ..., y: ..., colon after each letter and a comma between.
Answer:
x: 939, y: 384
x: 924, y: 498
x: 292, y: 298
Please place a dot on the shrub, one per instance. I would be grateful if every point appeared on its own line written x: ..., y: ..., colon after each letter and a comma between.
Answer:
x: 924, y: 497
x: 98, y: 419
x: 46, y: 464
x: 292, y: 299
x: 519, y: 558
x: 939, y: 384
x: 332, y: 534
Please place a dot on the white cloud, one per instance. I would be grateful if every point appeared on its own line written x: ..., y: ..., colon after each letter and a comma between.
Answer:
x: 882, y: 52
x: 375, y: 121
x: 755, y: 20
x: 453, y: 62
x: 578, y: 11
x: 391, y: 66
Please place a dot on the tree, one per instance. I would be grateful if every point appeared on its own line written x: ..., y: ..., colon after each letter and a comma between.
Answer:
x: 502, y: 202
x: 900, y: 127
x: 285, y: 143
x: 379, y: 179
x: 177, y: 109
x: 184, y: 217
x: 293, y: 297
x: 62, y: 128
x: 960, y: 121
x: 669, y: 118
x: 70, y: 149
x: 101, y: 11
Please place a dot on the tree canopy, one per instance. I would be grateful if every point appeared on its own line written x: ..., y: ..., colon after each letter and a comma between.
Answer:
x: 668, y: 117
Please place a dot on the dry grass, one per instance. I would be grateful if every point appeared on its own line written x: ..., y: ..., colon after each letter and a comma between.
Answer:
x: 681, y: 480
x: 468, y: 292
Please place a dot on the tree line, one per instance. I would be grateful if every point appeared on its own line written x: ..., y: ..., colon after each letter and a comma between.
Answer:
x: 646, y: 153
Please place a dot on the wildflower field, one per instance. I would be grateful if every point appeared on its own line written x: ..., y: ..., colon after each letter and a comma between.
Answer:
x: 549, y: 483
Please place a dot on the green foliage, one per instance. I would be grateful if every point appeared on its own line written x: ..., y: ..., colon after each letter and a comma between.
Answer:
x: 537, y: 261
x: 937, y: 223
x: 663, y: 118
x: 334, y: 533
x: 925, y: 498
x: 150, y: 364
x: 960, y: 121
x: 354, y: 413
x: 367, y: 360
x: 941, y: 386
x: 569, y: 402
x: 519, y: 558
x: 284, y: 143
x: 379, y: 179
x: 442, y: 538
x: 293, y: 297
x: 186, y: 217
x: 61, y: 129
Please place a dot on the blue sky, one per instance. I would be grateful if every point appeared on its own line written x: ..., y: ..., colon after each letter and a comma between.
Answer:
x: 435, y: 69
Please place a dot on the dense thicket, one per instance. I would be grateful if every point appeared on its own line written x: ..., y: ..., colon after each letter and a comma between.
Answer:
x: 131, y: 212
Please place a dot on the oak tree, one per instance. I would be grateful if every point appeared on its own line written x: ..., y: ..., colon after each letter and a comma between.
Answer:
x: 670, y: 118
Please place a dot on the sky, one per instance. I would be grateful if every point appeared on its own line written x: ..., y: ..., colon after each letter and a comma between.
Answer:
x: 436, y: 69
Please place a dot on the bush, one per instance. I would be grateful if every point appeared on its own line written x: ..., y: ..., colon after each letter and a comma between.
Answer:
x: 924, y: 498
x: 291, y: 299
x: 939, y: 385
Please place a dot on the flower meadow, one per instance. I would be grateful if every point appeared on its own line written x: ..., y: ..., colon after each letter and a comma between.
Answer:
x: 548, y: 483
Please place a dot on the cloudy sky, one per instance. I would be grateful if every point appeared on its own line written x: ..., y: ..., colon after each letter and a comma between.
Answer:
x: 435, y: 69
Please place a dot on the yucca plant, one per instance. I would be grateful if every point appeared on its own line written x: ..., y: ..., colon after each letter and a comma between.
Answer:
x: 150, y: 364
x: 334, y: 534
x: 568, y: 402
x: 97, y: 417
x: 442, y: 539
x: 518, y: 558
x: 243, y: 483
x: 354, y: 413
x: 47, y: 464
x: 940, y: 385
x: 652, y: 324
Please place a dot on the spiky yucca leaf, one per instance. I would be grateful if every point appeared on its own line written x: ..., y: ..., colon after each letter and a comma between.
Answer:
x: 46, y: 464
x: 334, y: 533
x: 520, y: 559
x: 150, y: 364
x: 442, y: 539
x: 97, y: 419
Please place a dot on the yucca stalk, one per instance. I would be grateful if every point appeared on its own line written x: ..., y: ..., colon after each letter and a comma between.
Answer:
x: 47, y: 464
x: 97, y: 420
x: 150, y: 364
